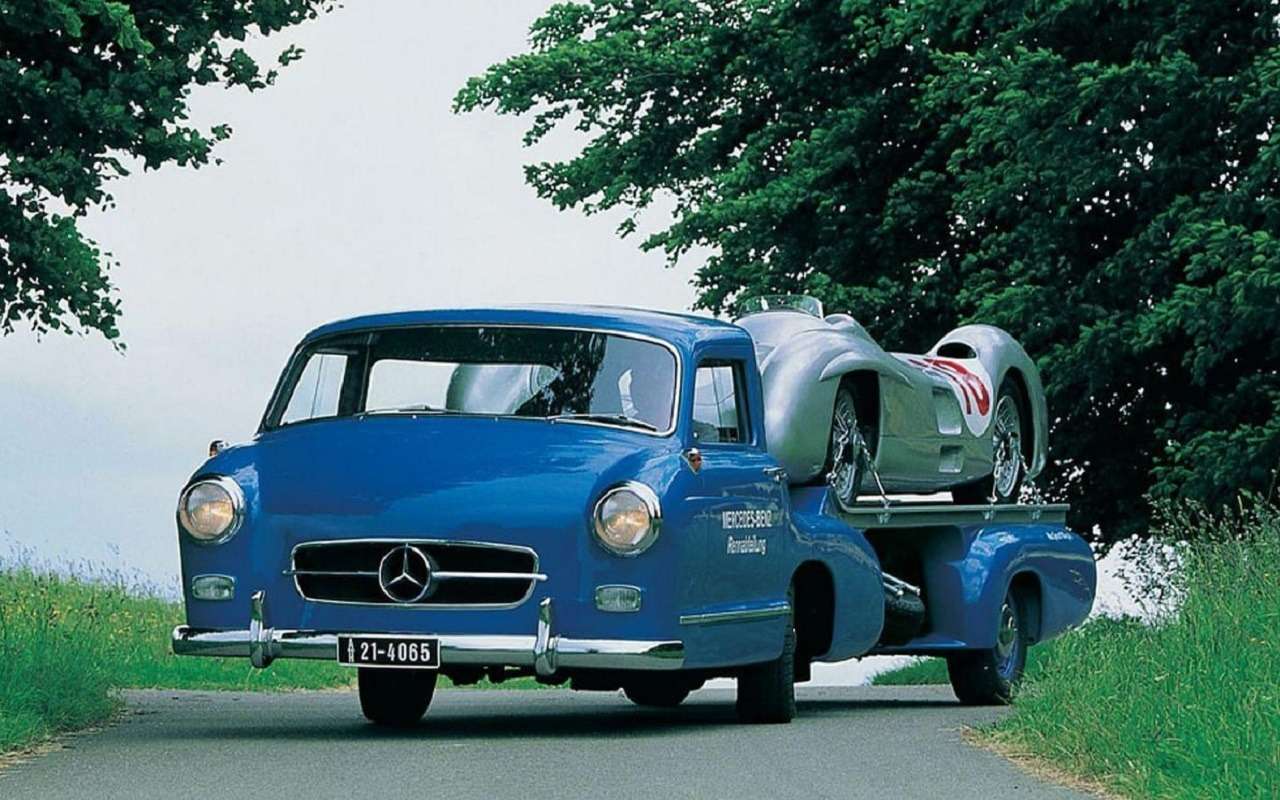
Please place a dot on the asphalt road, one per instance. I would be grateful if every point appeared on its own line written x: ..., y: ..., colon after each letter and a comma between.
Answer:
x: 848, y: 743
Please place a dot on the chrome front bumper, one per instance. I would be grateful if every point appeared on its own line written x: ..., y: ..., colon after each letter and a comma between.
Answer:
x: 545, y: 651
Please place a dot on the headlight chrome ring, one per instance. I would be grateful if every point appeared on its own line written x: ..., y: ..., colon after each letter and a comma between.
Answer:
x: 627, y: 519
x: 211, y: 510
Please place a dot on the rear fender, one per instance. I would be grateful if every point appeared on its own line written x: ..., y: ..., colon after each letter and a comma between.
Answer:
x: 999, y: 353
x: 858, y: 613
x: 968, y: 570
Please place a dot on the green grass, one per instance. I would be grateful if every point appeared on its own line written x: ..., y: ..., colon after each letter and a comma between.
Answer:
x: 1185, y: 708
x: 924, y: 672
x: 67, y: 644
x: 930, y: 671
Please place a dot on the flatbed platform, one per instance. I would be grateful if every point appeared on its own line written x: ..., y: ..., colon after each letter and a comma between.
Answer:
x: 907, y: 514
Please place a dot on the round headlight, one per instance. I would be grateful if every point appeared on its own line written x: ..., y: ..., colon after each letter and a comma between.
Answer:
x: 627, y: 519
x: 211, y: 510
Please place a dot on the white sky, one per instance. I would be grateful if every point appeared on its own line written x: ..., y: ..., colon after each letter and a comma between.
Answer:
x: 347, y: 188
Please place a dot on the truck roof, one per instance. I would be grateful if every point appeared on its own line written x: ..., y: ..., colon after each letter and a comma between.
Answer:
x: 685, y: 330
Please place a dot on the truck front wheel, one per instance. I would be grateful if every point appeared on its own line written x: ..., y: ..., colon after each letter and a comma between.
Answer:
x: 396, y: 698
x: 767, y: 692
x: 990, y: 677
x: 656, y: 695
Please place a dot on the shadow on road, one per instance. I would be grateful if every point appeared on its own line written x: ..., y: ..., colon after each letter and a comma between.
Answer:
x: 821, y: 705
x: 459, y: 720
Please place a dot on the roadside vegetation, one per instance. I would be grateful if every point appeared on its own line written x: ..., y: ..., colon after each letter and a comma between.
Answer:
x: 67, y: 644
x: 1185, y: 707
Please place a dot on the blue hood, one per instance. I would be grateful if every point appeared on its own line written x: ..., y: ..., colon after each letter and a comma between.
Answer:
x: 449, y: 477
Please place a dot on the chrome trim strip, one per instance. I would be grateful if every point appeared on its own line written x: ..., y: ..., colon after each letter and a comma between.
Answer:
x: 440, y: 576
x: 769, y: 611
x: 544, y: 640
x: 490, y: 576
x: 535, y: 577
x: 278, y: 402
x: 920, y: 515
x: 261, y: 652
x: 516, y: 651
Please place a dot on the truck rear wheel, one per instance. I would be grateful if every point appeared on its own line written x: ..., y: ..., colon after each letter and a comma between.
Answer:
x: 767, y: 692
x: 991, y: 677
x: 396, y: 698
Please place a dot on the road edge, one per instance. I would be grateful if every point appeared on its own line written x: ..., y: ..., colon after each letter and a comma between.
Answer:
x: 1038, y: 767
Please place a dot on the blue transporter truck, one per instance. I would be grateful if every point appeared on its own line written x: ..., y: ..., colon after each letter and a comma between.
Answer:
x: 596, y: 496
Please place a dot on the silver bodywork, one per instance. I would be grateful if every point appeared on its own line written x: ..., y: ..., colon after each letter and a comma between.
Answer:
x: 931, y: 433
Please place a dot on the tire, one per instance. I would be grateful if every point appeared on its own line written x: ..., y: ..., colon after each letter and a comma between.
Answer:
x: 991, y: 677
x: 396, y: 698
x: 1008, y: 445
x: 767, y: 692
x: 846, y: 463
x: 656, y: 695
x: 903, y: 618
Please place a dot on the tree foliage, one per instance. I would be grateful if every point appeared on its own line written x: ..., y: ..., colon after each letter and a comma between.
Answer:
x: 1097, y: 177
x: 86, y: 86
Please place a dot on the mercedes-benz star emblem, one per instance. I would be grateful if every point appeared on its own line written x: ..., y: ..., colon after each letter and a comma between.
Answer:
x: 404, y: 574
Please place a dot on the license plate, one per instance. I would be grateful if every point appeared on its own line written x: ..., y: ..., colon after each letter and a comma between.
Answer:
x: 378, y: 650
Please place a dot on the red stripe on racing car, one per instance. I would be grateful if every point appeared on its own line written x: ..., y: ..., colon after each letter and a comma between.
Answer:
x: 971, y: 386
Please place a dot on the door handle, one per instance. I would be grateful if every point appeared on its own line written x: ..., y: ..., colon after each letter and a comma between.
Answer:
x: 777, y: 473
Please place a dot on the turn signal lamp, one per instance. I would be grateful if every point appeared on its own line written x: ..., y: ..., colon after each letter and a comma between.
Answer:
x: 618, y: 599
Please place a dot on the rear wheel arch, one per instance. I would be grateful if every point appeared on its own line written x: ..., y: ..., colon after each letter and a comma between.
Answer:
x: 865, y: 385
x: 1029, y: 442
x: 814, y: 600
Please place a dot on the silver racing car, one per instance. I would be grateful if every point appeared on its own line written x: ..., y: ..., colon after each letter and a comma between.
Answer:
x: 968, y: 416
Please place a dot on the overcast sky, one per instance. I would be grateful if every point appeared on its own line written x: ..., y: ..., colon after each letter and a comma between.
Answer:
x: 347, y: 188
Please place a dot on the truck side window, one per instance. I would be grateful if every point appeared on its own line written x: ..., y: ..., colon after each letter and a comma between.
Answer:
x: 318, y: 390
x: 718, y: 415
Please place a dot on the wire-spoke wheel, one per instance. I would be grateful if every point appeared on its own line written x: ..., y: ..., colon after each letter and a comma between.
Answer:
x: 846, y: 456
x: 1004, y: 484
x: 1006, y: 445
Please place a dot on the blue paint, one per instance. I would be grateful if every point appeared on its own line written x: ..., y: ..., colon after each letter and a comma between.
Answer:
x: 534, y: 482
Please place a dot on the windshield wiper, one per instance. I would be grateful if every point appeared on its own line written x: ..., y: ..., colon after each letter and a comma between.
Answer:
x: 417, y: 409
x: 616, y: 419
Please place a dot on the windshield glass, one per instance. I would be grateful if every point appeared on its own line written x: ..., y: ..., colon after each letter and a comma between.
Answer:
x: 493, y: 371
x: 781, y: 302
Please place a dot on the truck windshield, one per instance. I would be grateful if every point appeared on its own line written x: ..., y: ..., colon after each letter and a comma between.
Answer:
x: 549, y: 373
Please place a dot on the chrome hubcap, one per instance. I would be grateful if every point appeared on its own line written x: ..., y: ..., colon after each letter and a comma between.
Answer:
x: 1006, y: 442
x: 1007, y: 637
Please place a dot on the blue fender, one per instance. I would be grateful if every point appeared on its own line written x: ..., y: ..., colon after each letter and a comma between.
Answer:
x: 969, y: 569
x: 853, y: 566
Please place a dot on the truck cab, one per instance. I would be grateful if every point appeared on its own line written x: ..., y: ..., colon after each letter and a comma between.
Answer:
x: 585, y: 495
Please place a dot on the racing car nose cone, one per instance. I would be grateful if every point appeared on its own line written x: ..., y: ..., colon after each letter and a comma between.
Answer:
x: 404, y: 574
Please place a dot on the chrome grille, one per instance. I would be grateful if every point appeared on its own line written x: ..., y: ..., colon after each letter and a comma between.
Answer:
x: 463, y: 574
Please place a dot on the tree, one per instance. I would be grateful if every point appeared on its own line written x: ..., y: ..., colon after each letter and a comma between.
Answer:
x: 1098, y: 178
x: 85, y: 85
